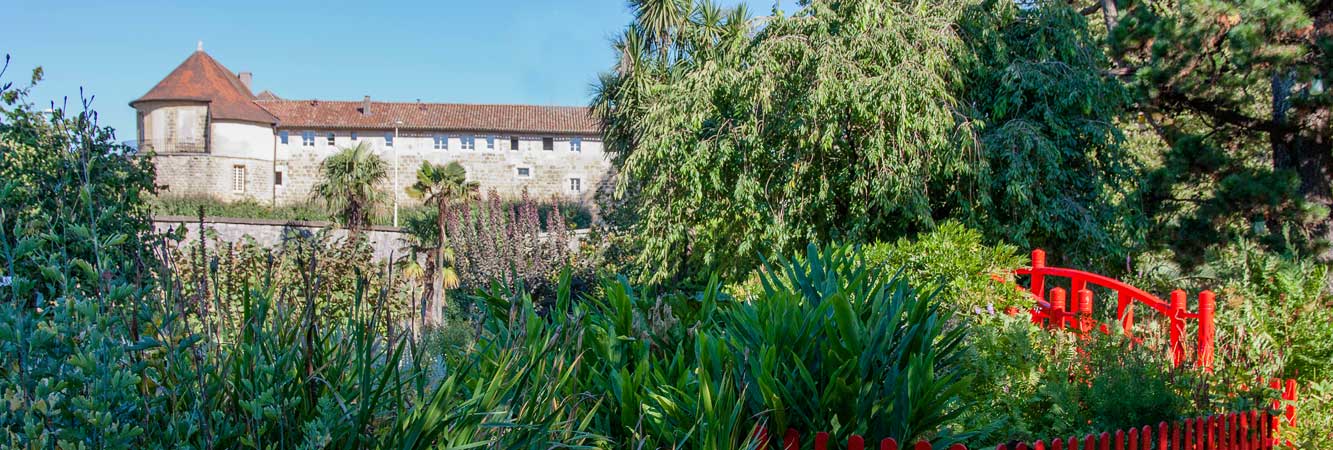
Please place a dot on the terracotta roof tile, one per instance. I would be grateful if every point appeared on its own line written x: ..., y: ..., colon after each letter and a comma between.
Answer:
x: 440, y: 116
x: 202, y: 78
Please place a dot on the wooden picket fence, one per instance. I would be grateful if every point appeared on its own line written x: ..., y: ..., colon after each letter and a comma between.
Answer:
x: 1250, y: 430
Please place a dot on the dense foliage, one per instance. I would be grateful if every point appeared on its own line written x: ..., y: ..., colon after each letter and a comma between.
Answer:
x: 873, y: 356
x: 1177, y: 144
x: 864, y: 121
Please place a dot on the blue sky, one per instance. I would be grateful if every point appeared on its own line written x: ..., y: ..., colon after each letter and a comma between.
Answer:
x: 499, y: 51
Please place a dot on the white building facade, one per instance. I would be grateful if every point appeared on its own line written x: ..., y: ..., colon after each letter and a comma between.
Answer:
x: 212, y: 137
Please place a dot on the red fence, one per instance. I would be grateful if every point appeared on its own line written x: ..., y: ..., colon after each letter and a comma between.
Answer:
x: 1251, y: 430
x: 1052, y: 311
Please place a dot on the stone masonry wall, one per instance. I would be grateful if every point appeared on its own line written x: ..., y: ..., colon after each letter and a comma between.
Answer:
x: 385, y: 241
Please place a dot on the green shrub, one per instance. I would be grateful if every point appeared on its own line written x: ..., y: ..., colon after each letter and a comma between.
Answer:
x: 1033, y: 384
x: 831, y: 344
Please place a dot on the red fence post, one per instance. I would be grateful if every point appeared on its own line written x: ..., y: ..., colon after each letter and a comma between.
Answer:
x: 821, y: 441
x: 1057, y: 309
x: 856, y: 443
x: 1084, y: 311
x: 1177, y: 326
x: 1289, y: 394
x: 791, y: 440
x: 1124, y: 306
x: 888, y: 444
x: 1038, y: 283
x: 1207, y: 330
x: 1162, y: 436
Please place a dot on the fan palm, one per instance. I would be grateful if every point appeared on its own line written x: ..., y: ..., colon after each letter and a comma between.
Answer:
x: 440, y: 185
x: 350, y: 185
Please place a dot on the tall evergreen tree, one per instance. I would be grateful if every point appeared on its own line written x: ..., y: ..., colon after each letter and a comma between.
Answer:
x: 1235, y: 90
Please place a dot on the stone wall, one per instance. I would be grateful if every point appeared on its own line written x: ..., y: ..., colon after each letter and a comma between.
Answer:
x: 207, y: 175
x: 385, y: 241
x: 170, y: 127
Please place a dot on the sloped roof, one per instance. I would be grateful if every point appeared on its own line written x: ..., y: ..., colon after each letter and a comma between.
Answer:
x: 202, y: 78
x: 445, y: 116
x: 267, y: 95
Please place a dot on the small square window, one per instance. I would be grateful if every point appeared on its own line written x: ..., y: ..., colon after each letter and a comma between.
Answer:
x: 307, y: 138
x: 331, y: 141
x: 524, y: 172
x: 277, y: 178
x: 441, y: 142
x: 282, y: 136
x: 354, y: 137
x: 388, y: 139
x: 238, y: 179
x: 575, y: 185
x: 490, y: 142
x: 469, y: 142
x: 513, y: 143
x: 576, y: 145
x: 548, y: 143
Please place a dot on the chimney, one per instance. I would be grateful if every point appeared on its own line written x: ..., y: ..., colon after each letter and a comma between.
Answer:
x: 246, y: 78
x: 365, y: 106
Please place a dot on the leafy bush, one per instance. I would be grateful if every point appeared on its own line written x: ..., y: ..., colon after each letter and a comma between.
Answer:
x: 831, y: 344
x: 1274, y: 319
x: 1033, y: 384
x: 956, y: 260
x: 952, y: 261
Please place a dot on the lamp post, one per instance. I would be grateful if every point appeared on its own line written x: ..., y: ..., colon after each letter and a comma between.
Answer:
x: 396, y: 124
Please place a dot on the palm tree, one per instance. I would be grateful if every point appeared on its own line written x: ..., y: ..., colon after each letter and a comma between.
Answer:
x: 350, y: 185
x: 441, y: 186
x: 426, y: 263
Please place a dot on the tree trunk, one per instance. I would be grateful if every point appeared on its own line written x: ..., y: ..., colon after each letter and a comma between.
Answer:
x: 1300, y: 143
x: 1110, y: 14
x: 428, y: 296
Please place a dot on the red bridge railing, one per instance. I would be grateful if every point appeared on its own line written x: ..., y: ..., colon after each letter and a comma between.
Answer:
x: 1053, y: 310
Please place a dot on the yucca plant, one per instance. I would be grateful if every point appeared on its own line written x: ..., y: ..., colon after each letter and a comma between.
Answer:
x: 834, y: 344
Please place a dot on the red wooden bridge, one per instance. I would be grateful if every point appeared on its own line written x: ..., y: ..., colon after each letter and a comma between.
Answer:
x: 1053, y: 311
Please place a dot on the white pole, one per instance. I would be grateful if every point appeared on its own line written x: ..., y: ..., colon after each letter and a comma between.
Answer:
x: 396, y: 143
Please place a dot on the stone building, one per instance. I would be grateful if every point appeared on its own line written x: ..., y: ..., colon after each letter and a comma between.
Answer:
x: 212, y: 136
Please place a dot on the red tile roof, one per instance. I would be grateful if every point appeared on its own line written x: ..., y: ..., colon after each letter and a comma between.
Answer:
x: 202, y: 78
x: 432, y: 116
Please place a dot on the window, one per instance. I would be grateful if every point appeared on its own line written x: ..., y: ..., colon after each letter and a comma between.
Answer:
x: 469, y: 142
x: 354, y: 137
x: 307, y: 138
x: 524, y: 172
x: 331, y: 138
x: 388, y: 139
x: 548, y: 143
x: 575, y: 185
x: 277, y: 178
x: 490, y: 142
x: 441, y: 142
x: 282, y: 136
x: 576, y: 145
x: 513, y: 143
x: 238, y: 179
